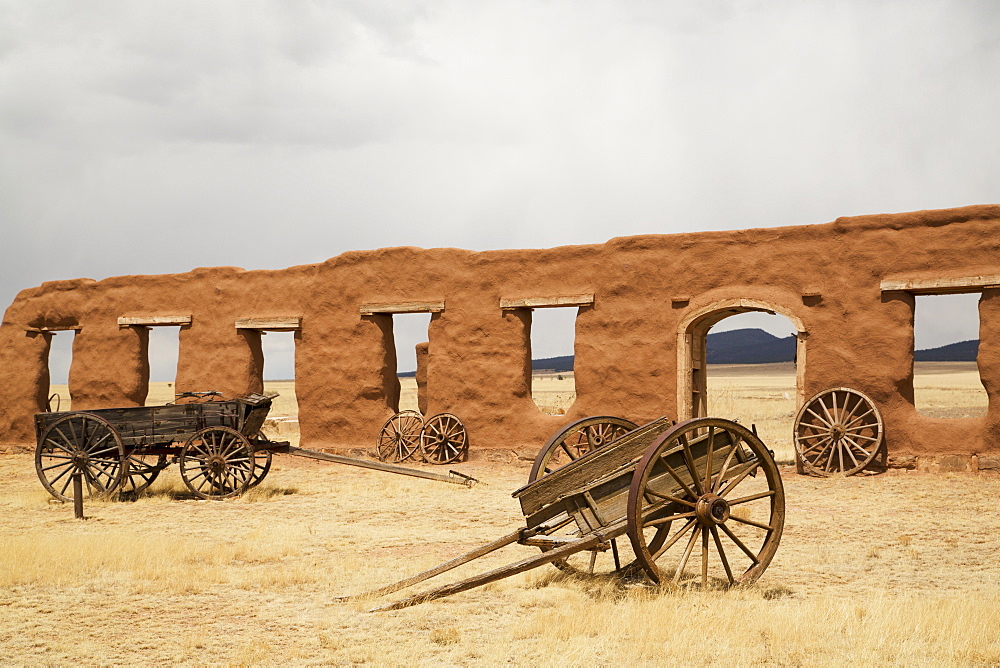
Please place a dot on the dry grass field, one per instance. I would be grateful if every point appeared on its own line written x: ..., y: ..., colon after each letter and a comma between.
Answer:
x: 893, y: 569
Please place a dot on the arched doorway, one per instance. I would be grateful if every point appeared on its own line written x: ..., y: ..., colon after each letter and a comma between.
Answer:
x: 692, y: 379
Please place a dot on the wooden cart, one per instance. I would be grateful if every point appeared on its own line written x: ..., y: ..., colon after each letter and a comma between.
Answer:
x: 701, y: 503
x: 217, y: 444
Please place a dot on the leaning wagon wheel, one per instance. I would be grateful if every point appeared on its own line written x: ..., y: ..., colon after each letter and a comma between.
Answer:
x: 838, y: 431
x: 572, y: 442
x: 217, y: 463
x: 85, y: 443
x: 577, y: 439
x: 400, y: 436
x: 142, y: 471
x: 443, y: 439
x: 718, y: 482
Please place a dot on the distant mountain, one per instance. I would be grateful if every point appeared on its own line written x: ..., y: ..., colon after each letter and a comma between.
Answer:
x: 755, y: 346
x: 963, y: 351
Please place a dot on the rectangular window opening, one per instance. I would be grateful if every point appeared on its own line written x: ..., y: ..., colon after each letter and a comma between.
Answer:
x: 553, y: 337
x: 946, y: 381
x: 409, y: 331
x: 162, y: 353
x: 279, y: 372
x: 60, y: 359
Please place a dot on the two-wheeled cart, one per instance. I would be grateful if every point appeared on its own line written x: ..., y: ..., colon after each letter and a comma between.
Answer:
x: 217, y: 444
x: 701, y: 503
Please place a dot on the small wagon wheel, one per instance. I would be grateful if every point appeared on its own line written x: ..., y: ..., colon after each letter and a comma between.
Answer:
x: 142, y: 471
x: 80, y: 443
x: 577, y: 439
x: 217, y: 463
x: 838, y: 431
x: 443, y: 439
x: 400, y: 436
x: 718, y: 482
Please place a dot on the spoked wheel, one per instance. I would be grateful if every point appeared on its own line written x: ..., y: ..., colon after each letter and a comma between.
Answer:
x: 444, y: 439
x: 838, y: 431
x: 85, y: 443
x: 706, y: 506
x: 142, y: 471
x: 400, y: 436
x: 217, y: 463
x: 577, y: 439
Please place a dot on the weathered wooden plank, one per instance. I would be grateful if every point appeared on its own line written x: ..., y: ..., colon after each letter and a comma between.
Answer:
x: 940, y: 286
x: 39, y: 330
x: 402, y: 307
x: 544, y: 302
x: 153, y: 320
x: 278, y: 324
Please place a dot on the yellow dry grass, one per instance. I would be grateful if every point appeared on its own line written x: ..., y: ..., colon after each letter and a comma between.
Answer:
x: 896, y: 569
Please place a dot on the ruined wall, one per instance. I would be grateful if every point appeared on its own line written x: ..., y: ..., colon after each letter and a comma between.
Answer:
x: 628, y: 356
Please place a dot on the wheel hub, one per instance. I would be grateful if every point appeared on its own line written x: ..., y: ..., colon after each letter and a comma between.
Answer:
x: 838, y: 431
x: 216, y: 464
x: 711, y: 509
x: 80, y: 459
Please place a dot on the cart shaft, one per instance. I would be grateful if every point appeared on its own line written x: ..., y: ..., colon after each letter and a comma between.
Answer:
x: 453, y: 476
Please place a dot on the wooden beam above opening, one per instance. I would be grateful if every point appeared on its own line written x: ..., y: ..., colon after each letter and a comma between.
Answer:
x: 546, y: 302
x: 280, y: 324
x: 39, y: 330
x: 940, y: 286
x: 402, y: 307
x: 154, y: 320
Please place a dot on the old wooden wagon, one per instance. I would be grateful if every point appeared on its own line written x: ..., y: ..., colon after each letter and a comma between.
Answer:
x: 217, y: 444
x: 700, y: 502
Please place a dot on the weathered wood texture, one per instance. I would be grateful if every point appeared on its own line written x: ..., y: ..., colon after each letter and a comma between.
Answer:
x: 154, y: 320
x: 546, y: 302
x: 282, y: 324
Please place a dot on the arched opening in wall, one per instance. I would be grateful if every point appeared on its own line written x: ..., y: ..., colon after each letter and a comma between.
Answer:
x: 162, y: 353
x: 408, y: 331
x: 278, y: 348
x: 743, y: 360
x: 553, y: 336
x: 60, y: 359
x: 946, y: 381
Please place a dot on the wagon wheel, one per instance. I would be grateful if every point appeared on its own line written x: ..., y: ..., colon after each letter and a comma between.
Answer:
x: 142, y: 471
x: 838, y: 431
x: 217, y: 463
x: 85, y: 443
x: 400, y: 436
x: 719, y: 482
x: 443, y: 439
x: 577, y: 439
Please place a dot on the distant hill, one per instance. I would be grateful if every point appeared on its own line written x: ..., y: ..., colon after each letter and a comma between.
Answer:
x: 755, y: 346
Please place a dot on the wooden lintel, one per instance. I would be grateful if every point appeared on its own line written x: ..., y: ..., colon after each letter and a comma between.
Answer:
x: 811, y: 292
x: 939, y: 286
x: 680, y: 299
x: 280, y: 324
x: 39, y: 330
x: 546, y: 302
x: 402, y: 307
x: 154, y: 320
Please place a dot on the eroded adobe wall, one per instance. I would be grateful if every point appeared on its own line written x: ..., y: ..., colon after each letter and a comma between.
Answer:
x: 828, y: 277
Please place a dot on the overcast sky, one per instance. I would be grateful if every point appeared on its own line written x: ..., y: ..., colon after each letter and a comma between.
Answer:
x: 152, y: 137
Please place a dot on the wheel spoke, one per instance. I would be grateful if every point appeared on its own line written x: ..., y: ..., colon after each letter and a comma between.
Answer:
x: 686, y: 555
x: 667, y: 520
x: 710, y: 447
x: 739, y: 543
x: 651, y: 492
x: 725, y: 465
x: 704, y: 558
x: 738, y: 479
x: 673, y: 474
x: 752, y: 497
x: 752, y: 523
x: 820, y: 417
x: 823, y: 443
x: 668, y: 544
x: 722, y: 555
x: 689, y: 460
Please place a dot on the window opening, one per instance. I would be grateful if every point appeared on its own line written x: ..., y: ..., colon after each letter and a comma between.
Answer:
x: 553, y: 337
x: 60, y: 359
x: 279, y: 371
x: 162, y: 353
x: 946, y: 381
x: 409, y: 330
x: 751, y: 375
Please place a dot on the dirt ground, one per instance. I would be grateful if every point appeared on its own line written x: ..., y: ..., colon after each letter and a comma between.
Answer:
x: 895, y: 569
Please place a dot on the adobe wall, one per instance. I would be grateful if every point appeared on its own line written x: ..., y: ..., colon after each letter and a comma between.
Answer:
x: 828, y: 277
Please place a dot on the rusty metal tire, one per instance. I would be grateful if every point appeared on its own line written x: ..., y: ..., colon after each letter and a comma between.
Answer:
x: 577, y: 439
x: 443, y: 439
x: 217, y: 463
x: 399, y: 438
x: 85, y: 443
x: 737, y: 510
x: 838, y: 431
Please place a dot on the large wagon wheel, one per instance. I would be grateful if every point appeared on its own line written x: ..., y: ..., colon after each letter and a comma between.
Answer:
x: 838, y: 431
x: 400, y: 436
x: 217, y: 463
x: 443, y: 439
x: 142, y: 471
x: 81, y: 443
x: 718, y: 482
x: 577, y: 439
